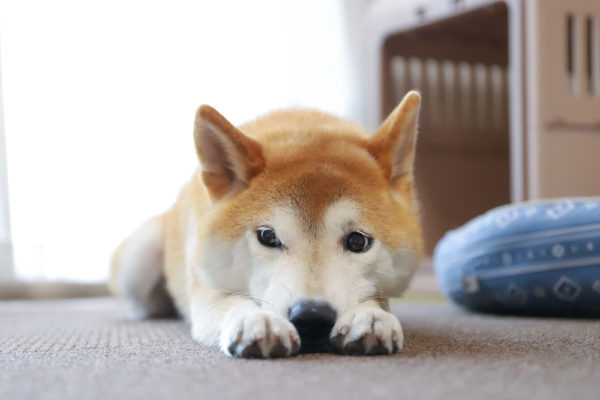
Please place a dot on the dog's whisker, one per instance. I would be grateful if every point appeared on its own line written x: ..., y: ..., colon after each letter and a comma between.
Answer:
x: 363, y: 287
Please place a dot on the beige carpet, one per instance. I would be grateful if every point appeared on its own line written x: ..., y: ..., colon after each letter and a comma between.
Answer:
x: 86, y: 349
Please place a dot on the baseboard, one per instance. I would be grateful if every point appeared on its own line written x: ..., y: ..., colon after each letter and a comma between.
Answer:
x: 7, y: 273
x: 51, y: 290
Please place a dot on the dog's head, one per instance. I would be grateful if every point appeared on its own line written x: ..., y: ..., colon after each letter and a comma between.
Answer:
x: 307, y: 208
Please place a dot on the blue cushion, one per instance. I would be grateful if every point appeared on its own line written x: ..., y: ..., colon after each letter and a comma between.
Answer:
x: 536, y: 258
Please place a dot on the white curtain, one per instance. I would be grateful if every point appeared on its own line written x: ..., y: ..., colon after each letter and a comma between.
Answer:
x: 99, y: 98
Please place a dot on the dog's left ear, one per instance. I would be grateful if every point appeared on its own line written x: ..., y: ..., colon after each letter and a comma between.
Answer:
x: 228, y: 158
x: 393, y: 145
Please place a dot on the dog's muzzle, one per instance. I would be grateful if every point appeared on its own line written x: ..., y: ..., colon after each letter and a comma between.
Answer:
x: 314, y: 321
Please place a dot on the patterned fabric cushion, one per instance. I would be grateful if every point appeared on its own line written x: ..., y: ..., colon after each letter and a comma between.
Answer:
x: 536, y: 258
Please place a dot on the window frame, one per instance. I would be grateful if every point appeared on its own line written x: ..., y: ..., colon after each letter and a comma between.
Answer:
x: 7, y: 273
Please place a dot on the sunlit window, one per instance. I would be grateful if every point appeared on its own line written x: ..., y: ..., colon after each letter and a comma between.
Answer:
x: 99, y: 99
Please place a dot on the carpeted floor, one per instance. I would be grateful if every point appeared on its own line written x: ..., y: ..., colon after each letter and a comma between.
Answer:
x: 86, y: 349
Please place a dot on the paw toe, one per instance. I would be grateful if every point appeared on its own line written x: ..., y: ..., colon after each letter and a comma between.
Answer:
x: 354, y: 348
x: 379, y: 348
x: 278, y: 350
x: 252, y: 351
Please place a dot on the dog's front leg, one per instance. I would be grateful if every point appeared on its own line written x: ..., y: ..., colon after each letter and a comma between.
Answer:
x: 241, y: 328
x: 367, y: 329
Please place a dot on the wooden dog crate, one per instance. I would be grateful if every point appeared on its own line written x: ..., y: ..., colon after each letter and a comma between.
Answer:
x: 511, y: 99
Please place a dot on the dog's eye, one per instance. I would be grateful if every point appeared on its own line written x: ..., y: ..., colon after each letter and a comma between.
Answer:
x: 358, y: 242
x: 267, y: 237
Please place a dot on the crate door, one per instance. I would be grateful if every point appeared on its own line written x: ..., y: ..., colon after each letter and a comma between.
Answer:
x: 563, y: 124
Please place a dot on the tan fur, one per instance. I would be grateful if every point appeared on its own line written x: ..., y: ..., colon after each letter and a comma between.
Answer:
x: 303, y: 159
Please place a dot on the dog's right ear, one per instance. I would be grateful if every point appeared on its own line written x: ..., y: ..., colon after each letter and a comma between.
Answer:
x: 228, y: 158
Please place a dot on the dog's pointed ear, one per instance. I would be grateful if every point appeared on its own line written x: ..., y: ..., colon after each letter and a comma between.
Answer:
x: 228, y: 158
x: 393, y: 145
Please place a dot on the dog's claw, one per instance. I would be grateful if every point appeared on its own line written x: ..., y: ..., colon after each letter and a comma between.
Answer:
x: 295, y: 339
x: 252, y: 351
x: 278, y: 351
x: 380, y: 348
x: 354, y: 348
x: 232, y: 349
x: 337, y: 341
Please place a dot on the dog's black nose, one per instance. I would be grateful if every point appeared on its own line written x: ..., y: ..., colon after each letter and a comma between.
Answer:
x: 314, y: 321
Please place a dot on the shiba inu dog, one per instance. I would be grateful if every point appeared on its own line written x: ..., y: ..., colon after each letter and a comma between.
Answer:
x: 291, y: 236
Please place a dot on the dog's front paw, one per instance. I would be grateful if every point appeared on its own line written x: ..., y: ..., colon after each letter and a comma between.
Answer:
x: 367, y: 330
x: 260, y: 334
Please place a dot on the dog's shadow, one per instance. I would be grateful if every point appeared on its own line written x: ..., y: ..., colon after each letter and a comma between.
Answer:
x: 424, y: 342
x: 469, y: 335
